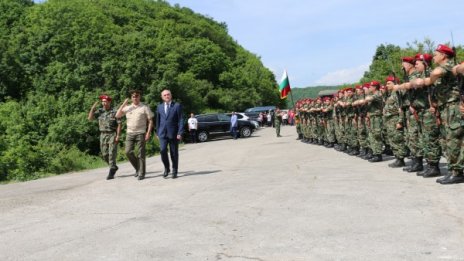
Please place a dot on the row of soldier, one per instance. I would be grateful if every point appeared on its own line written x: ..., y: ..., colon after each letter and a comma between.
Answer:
x: 421, y: 118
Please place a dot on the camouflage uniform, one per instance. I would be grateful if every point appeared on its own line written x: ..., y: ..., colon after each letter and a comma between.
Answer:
x: 108, y: 124
x: 374, y: 113
x: 447, y: 93
x: 391, y: 118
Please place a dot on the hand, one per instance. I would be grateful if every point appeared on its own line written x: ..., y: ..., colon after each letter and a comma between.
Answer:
x: 116, y: 140
x: 399, y: 126
x: 179, y: 137
x: 433, y: 110
x: 147, y: 136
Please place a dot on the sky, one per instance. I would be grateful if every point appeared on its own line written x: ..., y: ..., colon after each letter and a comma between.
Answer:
x: 329, y: 42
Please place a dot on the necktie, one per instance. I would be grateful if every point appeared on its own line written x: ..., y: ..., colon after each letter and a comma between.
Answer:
x: 166, y: 107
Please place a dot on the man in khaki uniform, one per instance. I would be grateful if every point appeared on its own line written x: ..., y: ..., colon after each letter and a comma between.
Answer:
x: 139, y: 125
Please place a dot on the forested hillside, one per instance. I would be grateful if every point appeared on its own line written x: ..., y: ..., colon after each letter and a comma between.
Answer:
x: 57, y: 57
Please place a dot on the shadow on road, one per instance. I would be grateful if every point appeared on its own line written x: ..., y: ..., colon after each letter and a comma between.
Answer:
x: 193, y: 173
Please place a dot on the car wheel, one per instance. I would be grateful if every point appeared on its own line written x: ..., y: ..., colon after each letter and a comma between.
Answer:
x: 202, y: 136
x: 245, y: 132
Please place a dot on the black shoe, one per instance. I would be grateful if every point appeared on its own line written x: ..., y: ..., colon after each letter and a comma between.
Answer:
x: 354, y: 152
x: 399, y: 162
x: 418, y: 166
x: 432, y: 171
x: 368, y: 156
x: 111, y: 173
x: 453, y: 179
x: 413, y: 162
x: 141, y: 177
x: 136, y: 174
x: 331, y: 145
x: 376, y: 158
x: 166, y: 173
x: 174, y: 173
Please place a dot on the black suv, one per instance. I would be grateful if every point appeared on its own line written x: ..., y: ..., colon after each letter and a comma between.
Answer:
x: 219, y: 124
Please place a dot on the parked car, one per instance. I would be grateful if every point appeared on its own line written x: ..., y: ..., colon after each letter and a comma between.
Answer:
x: 243, y: 116
x: 253, y: 113
x: 219, y: 124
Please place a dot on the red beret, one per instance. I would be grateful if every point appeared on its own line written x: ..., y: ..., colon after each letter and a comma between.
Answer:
x: 105, y: 97
x: 445, y: 49
x: 375, y: 83
x: 390, y: 78
x: 366, y: 85
x: 349, y: 89
x: 424, y: 57
x: 408, y: 60
x: 358, y: 87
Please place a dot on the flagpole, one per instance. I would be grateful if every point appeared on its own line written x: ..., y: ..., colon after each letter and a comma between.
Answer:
x: 291, y: 94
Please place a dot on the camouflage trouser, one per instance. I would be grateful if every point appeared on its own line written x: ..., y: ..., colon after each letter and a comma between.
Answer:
x: 395, y: 136
x: 330, y: 130
x: 298, y: 128
x: 277, y: 127
x: 108, y: 148
x: 337, y: 130
x: 351, y: 133
x: 362, y: 133
x: 430, y: 138
x: 319, y: 130
x: 454, y: 133
x: 414, y: 127
x: 342, y: 127
x: 375, y: 134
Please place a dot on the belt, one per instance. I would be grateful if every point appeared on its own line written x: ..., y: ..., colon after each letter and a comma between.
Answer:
x: 107, y: 132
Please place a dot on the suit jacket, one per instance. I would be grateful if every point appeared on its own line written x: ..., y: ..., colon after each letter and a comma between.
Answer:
x: 171, y: 124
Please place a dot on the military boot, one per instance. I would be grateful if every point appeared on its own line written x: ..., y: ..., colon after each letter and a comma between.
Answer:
x: 331, y: 145
x: 418, y: 166
x: 455, y: 178
x: 376, y: 158
x: 111, y: 173
x: 388, y: 151
x: 433, y: 170
x: 355, y: 151
x: 368, y: 155
x: 343, y: 147
x: 398, y: 163
x: 413, y: 162
x: 362, y: 152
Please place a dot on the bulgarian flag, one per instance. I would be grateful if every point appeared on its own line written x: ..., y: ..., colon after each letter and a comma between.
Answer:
x: 284, y: 86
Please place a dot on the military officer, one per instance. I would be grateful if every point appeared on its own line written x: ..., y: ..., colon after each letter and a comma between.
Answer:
x: 110, y: 129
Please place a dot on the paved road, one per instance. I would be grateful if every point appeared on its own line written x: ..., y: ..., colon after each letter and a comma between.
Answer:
x: 261, y: 198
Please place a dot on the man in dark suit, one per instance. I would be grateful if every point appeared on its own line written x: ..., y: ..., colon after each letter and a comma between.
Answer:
x: 169, y: 128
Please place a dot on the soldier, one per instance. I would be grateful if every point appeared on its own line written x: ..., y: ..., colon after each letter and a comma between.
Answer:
x: 278, y: 121
x: 394, y: 123
x: 430, y: 131
x: 448, y: 101
x: 139, y: 127
x: 418, y: 101
x: 374, y: 117
x: 329, y: 119
x: 110, y: 129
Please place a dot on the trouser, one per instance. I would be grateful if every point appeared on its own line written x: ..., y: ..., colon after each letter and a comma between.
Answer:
x: 277, y: 127
x: 330, y: 130
x: 375, y: 134
x: 414, y: 128
x: 173, y: 152
x: 430, y: 138
x: 193, y: 135
x: 396, y: 136
x: 362, y: 133
x: 108, y: 148
x: 453, y: 131
x: 137, y: 160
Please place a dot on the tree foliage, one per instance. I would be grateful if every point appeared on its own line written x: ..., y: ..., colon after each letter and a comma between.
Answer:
x: 56, y: 57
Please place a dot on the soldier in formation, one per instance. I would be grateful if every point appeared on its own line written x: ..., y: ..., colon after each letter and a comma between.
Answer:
x: 419, y: 118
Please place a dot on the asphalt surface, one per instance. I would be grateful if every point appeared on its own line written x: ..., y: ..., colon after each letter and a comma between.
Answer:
x: 260, y: 198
